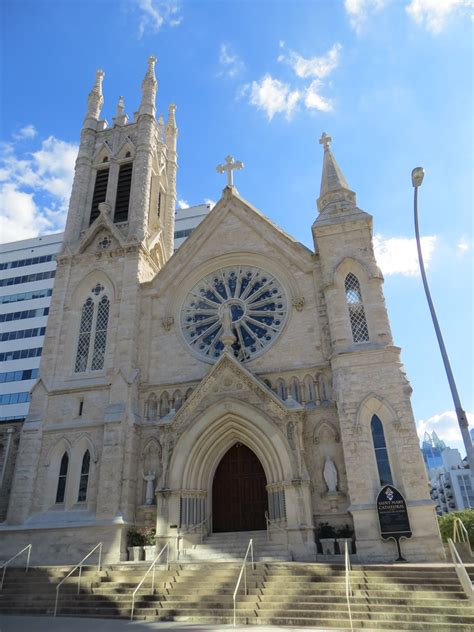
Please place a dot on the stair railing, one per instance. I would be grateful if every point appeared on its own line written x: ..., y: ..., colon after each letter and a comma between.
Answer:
x: 5, y: 564
x: 192, y: 529
x: 243, y: 571
x: 461, y: 571
x: 78, y: 566
x: 272, y: 524
x: 347, y: 561
x: 151, y: 568
x: 461, y: 535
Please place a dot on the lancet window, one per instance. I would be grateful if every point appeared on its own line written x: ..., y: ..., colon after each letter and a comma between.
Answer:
x: 360, y: 332
x: 381, y: 453
x: 100, y: 192
x: 84, y: 479
x: 92, y: 341
x: 61, y: 490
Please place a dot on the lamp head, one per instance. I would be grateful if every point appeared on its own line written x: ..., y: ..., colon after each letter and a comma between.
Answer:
x: 417, y: 176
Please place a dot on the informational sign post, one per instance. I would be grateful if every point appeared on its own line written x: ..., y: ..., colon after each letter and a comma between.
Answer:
x: 393, y: 517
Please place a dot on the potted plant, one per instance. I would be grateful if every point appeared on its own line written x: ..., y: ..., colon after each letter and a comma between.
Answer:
x: 135, y: 540
x: 326, y: 536
x: 150, y: 543
x: 344, y: 534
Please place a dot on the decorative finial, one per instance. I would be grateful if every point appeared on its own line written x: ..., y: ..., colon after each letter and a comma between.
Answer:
x: 149, y: 88
x: 161, y: 124
x: 229, y: 166
x: 325, y: 140
x: 95, y: 99
x: 120, y: 106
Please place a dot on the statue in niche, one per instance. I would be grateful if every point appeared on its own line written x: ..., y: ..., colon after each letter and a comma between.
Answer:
x: 330, y: 475
x: 149, y: 494
x: 290, y: 433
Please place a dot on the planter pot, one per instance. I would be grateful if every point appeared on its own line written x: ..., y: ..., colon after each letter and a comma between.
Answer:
x: 328, y: 545
x: 135, y: 553
x: 150, y: 552
x: 341, y: 542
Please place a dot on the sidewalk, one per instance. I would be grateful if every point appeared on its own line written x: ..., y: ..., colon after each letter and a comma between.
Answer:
x: 11, y: 623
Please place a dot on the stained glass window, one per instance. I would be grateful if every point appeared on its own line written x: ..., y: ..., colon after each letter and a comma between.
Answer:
x: 84, y: 480
x: 381, y: 454
x: 61, y: 491
x: 255, y: 302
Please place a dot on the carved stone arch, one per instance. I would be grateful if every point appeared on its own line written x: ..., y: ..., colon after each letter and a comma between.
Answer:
x: 103, y: 151
x: 203, y: 444
x: 371, y: 405
x: 62, y: 445
x: 188, y: 393
x: 295, y: 388
x: 164, y: 404
x: 151, y: 407
x: 127, y: 146
x: 309, y: 392
x: 364, y: 273
x: 82, y: 290
x: 151, y: 456
x: 281, y: 388
x: 177, y: 400
x: 87, y: 441
x: 328, y: 428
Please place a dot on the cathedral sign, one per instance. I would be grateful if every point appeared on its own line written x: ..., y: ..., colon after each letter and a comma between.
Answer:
x: 393, y: 517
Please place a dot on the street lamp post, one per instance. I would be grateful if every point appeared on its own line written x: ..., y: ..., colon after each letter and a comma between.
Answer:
x: 417, y: 178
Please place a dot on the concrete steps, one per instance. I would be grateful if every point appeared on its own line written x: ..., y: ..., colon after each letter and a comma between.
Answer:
x: 385, y: 597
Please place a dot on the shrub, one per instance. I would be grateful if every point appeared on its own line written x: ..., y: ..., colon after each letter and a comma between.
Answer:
x: 325, y: 530
x: 446, y: 523
x: 141, y: 537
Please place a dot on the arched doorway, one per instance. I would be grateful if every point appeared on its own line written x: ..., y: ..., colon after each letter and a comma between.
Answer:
x: 239, y: 495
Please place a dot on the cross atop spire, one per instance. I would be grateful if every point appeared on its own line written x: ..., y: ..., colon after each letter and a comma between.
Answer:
x: 335, y: 192
x: 229, y: 166
x: 325, y: 140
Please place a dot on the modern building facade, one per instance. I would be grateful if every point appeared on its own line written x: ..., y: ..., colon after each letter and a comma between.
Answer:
x: 245, y: 379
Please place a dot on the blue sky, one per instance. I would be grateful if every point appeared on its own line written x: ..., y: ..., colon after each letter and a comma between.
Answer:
x: 389, y: 80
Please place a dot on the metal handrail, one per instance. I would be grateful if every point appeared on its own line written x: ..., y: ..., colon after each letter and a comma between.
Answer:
x: 243, y: 571
x: 194, y: 527
x: 5, y: 564
x: 152, y: 566
x: 347, y: 561
x: 460, y: 534
x: 78, y: 566
x: 461, y: 571
x: 272, y: 524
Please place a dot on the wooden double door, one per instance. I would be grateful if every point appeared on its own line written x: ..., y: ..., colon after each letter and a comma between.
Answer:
x: 239, y: 495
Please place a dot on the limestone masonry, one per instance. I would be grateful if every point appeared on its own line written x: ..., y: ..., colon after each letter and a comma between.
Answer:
x: 244, y: 381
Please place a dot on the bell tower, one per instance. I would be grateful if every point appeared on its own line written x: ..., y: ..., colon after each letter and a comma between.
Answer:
x: 126, y: 173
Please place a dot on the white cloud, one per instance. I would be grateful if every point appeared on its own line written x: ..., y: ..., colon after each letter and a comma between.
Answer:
x: 463, y: 245
x: 183, y: 204
x: 35, y: 188
x: 210, y: 202
x: 359, y: 11
x: 446, y: 426
x: 231, y: 63
x: 398, y: 255
x: 314, y: 101
x: 434, y: 13
x: 157, y: 13
x: 272, y: 96
x: 316, y: 67
x: 28, y: 131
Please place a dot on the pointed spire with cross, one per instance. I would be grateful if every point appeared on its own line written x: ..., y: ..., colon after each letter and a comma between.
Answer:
x: 334, y: 188
x: 325, y: 140
x: 229, y: 166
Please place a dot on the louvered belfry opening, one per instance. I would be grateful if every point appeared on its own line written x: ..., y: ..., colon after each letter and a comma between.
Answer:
x: 100, y: 192
x: 123, y: 192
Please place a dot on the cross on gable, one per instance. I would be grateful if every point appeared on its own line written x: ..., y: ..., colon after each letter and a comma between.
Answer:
x: 229, y: 166
x: 325, y: 140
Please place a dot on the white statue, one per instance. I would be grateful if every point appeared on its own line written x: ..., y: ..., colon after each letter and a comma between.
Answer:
x: 149, y: 478
x: 330, y: 475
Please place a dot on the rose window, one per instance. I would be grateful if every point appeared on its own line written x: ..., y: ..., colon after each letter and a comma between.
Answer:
x: 255, y: 301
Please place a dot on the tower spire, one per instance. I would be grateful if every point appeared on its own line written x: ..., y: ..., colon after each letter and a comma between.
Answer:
x: 335, y: 191
x: 95, y: 99
x: 149, y: 89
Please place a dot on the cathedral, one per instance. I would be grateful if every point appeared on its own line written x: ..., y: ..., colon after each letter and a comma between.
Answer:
x: 243, y: 383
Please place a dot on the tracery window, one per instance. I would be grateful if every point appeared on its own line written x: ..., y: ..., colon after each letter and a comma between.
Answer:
x: 61, y: 490
x: 360, y: 331
x: 248, y: 301
x: 84, y: 479
x: 92, y: 341
x: 381, y: 453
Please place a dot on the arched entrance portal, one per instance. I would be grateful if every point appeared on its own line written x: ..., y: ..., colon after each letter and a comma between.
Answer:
x: 239, y: 495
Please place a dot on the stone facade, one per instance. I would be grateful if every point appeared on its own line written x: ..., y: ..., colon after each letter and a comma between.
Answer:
x: 142, y: 400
